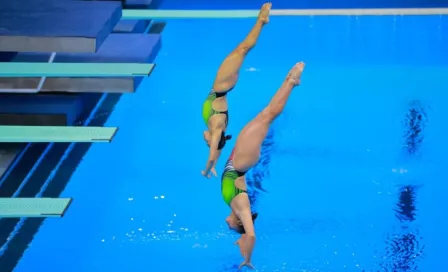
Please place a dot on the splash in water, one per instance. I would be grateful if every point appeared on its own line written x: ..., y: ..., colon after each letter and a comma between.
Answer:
x: 404, y: 246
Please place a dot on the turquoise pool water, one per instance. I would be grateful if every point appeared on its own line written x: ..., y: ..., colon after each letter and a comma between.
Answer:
x: 359, y: 149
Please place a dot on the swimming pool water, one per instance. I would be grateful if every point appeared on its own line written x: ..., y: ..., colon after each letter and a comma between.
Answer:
x: 359, y: 150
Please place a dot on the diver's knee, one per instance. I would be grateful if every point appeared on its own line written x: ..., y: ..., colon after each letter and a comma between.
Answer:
x: 269, y: 114
x: 242, y: 50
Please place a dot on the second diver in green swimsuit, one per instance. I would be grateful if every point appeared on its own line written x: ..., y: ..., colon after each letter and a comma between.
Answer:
x: 244, y: 156
x: 214, y: 111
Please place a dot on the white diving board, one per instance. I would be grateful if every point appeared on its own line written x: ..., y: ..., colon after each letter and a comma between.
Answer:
x: 146, y: 14
x: 33, y: 207
x: 44, y: 69
x: 56, y: 134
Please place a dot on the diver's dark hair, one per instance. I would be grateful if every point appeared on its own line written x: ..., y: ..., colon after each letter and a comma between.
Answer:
x: 222, y: 141
x: 241, y: 229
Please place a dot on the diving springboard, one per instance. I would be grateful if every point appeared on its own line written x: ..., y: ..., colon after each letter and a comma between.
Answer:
x: 146, y: 14
x: 34, y: 207
x: 44, y: 69
x: 56, y: 134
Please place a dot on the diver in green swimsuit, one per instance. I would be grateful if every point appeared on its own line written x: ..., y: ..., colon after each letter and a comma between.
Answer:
x: 216, y: 122
x: 208, y: 111
x: 228, y: 189
x: 244, y: 156
x: 214, y: 111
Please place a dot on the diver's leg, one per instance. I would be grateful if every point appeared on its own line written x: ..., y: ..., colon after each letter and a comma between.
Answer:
x: 248, y: 144
x: 228, y: 71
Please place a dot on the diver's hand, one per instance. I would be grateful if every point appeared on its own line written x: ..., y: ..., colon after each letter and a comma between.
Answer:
x: 242, y: 242
x: 206, y: 174
x: 246, y: 264
x: 210, y: 167
x: 213, y: 170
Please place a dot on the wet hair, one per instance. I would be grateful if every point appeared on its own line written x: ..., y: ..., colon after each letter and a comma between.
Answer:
x: 222, y: 141
x: 240, y: 229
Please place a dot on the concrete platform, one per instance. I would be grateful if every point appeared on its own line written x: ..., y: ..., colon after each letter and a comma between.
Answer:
x: 56, y: 26
x: 131, y: 26
x: 119, y: 47
x: 137, y: 3
x: 40, y: 110
x: 135, y: 48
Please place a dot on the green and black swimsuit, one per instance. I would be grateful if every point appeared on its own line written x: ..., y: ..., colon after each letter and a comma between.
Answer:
x: 208, y: 111
x: 228, y: 189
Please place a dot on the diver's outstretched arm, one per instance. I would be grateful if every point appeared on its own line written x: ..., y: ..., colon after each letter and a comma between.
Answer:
x: 213, y: 154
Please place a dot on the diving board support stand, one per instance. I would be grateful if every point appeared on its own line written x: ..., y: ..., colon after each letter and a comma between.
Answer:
x: 42, y: 79
x: 56, y: 134
x: 33, y: 207
x: 146, y: 14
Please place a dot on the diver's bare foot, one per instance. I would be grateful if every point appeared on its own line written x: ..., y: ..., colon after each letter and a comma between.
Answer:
x: 263, y: 16
x: 295, y: 73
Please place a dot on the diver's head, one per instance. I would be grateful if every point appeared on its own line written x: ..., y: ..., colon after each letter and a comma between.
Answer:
x: 235, y: 223
x: 223, y: 140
